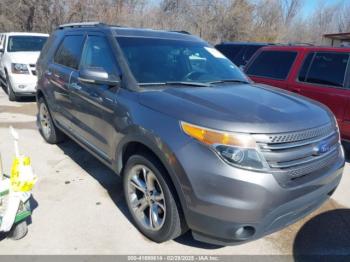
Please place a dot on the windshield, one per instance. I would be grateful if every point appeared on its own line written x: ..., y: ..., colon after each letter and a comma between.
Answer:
x: 164, y: 60
x: 26, y: 43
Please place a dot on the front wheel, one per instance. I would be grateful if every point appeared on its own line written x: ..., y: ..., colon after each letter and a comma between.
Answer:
x: 11, y: 94
x: 150, y: 199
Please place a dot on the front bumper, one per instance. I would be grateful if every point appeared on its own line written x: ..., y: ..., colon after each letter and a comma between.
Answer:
x: 226, y: 205
x: 23, y: 85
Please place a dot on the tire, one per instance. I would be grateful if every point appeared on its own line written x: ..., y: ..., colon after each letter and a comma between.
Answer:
x: 346, y: 147
x: 169, y: 223
x: 47, y: 127
x: 18, y: 231
x: 11, y: 94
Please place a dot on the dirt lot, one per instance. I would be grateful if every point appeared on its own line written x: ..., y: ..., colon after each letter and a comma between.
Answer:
x: 79, y: 206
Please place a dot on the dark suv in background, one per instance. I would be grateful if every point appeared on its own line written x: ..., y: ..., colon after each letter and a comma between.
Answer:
x: 239, y: 52
x: 197, y: 144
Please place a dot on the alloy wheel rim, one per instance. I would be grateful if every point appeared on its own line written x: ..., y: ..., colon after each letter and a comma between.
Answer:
x: 45, y: 121
x: 146, y: 198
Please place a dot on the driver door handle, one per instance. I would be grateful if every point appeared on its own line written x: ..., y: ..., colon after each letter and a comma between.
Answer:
x: 96, y: 96
x: 75, y: 86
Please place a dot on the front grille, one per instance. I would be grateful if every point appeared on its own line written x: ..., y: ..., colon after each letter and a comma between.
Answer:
x: 32, y: 69
x: 311, y: 167
x: 297, y: 154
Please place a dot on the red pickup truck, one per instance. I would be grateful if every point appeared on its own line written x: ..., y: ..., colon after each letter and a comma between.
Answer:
x: 320, y: 73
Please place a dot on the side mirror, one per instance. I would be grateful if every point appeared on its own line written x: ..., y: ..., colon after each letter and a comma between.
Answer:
x: 97, y: 76
x: 2, y: 50
x: 242, y: 67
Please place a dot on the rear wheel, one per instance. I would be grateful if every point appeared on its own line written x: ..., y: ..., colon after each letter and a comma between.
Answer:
x: 151, y: 199
x: 18, y: 230
x: 47, y: 127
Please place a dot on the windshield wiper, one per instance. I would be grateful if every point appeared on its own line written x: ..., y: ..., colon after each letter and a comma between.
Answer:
x: 187, y: 83
x: 228, y: 81
x: 152, y: 84
x: 184, y: 83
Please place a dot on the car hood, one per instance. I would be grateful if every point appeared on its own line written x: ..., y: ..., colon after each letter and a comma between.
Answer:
x: 24, y: 57
x: 247, y: 108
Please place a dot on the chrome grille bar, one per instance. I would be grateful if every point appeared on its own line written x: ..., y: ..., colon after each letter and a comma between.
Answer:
x: 295, y: 144
x: 295, y: 136
x: 303, y: 161
x: 305, y: 170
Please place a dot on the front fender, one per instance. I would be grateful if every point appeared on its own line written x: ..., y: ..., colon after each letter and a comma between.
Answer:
x: 164, y: 153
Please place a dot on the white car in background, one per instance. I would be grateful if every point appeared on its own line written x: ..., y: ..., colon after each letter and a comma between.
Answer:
x: 18, y: 55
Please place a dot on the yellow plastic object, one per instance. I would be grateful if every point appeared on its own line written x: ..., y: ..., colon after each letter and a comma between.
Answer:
x: 22, y: 177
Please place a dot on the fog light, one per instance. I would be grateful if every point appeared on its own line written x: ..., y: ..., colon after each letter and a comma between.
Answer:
x: 244, y: 232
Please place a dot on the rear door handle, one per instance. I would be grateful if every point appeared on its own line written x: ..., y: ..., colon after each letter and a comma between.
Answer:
x: 296, y: 90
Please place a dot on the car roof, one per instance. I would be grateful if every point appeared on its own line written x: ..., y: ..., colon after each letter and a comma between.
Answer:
x: 131, y: 32
x: 151, y: 33
x: 300, y: 48
x: 25, y: 34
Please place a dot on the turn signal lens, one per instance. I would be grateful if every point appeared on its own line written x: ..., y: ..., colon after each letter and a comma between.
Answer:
x: 239, y: 150
x: 214, y: 137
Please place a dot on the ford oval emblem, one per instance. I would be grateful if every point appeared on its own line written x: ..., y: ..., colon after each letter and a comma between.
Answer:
x: 321, y: 149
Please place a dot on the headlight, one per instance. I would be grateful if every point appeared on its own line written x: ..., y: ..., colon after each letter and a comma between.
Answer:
x: 236, y: 149
x: 19, y: 68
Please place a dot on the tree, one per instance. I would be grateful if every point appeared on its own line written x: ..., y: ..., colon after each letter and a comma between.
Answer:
x: 213, y: 20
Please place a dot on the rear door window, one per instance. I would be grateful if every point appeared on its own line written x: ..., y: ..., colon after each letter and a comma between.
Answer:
x: 272, y: 64
x: 246, y: 54
x: 306, y: 66
x: 69, y: 51
x: 325, y: 69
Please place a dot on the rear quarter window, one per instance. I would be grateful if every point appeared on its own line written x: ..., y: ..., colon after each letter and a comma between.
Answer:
x: 325, y: 69
x: 272, y: 64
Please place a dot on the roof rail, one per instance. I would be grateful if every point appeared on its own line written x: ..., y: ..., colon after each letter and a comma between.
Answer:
x: 181, y: 32
x: 82, y: 24
x: 301, y: 44
x: 244, y: 43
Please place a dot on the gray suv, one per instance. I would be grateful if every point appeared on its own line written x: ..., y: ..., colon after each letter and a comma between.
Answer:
x: 198, y: 145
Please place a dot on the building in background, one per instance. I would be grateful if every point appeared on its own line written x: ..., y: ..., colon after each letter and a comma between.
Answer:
x: 337, y: 40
